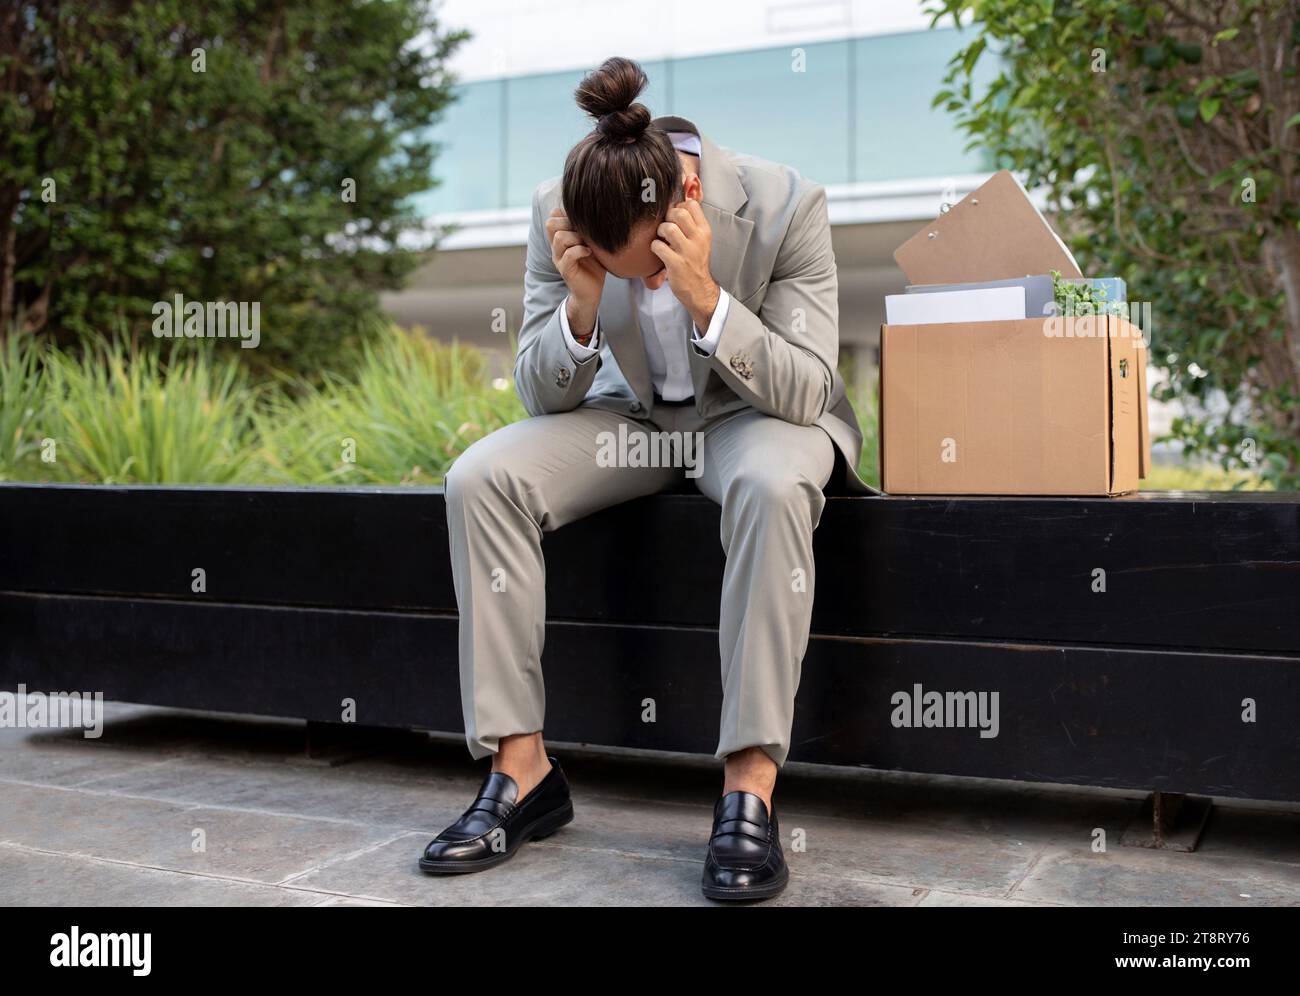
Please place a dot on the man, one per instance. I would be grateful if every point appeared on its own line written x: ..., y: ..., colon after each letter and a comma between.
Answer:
x: 671, y: 287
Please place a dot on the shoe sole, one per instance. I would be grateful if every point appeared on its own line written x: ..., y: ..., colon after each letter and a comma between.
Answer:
x: 765, y: 891
x: 539, y: 829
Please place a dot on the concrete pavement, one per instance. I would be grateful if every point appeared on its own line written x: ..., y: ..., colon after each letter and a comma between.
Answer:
x: 182, y: 808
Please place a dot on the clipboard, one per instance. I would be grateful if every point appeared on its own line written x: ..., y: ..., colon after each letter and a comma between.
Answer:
x: 993, y: 233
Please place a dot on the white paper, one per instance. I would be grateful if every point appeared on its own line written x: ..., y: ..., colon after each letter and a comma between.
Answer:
x: 990, y: 304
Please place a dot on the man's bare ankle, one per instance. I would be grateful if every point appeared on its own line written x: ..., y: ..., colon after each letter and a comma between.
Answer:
x: 526, y: 767
x: 750, y: 770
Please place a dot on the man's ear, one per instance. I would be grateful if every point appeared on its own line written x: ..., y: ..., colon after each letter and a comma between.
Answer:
x: 692, y: 189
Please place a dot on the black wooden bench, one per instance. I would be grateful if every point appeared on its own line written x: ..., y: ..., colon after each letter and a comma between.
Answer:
x: 314, y: 596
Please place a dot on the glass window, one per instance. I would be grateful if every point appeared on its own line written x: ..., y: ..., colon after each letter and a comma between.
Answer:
x: 470, y: 163
x: 839, y: 112
x: 775, y: 103
x: 898, y: 135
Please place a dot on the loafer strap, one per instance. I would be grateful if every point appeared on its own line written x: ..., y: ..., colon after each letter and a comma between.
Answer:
x: 739, y: 827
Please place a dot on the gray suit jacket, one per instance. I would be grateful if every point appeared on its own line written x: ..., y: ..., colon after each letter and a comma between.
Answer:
x: 778, y: 349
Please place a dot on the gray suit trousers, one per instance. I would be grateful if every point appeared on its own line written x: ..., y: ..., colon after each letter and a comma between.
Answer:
x: 536, y: 475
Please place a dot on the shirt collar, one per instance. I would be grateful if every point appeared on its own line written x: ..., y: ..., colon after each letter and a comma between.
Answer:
x: 685, y: 141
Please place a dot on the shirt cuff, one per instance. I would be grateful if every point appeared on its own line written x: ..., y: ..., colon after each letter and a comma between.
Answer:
x: 708, y: 342
x: 577, y: 350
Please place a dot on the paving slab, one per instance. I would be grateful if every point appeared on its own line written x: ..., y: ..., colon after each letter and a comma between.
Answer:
x: 34, y: 878
x: 1132, y: 876
x: 341, y: 793
x: 238, y: 844
x: 337, y: 901
x: 111, y: 821
x: 56, y: 763
x: 964, y: 899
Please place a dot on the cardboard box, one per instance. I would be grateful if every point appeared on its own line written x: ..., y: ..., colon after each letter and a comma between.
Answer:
x: 1053, y: 406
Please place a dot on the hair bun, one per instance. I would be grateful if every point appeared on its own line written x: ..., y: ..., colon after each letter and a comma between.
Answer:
x: 609, y: 94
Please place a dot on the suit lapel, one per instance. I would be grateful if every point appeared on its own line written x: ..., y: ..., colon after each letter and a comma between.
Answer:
x: 730, y: 242
x: 724, y: 195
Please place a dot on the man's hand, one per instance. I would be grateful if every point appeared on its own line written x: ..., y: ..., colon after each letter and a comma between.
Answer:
x: 684, y: 242
x: 584, y: 277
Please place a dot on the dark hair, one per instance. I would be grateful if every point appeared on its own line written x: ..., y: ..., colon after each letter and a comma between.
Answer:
x: 605, y: 174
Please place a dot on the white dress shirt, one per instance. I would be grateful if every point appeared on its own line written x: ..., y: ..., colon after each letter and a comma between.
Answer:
x: 664, y: 322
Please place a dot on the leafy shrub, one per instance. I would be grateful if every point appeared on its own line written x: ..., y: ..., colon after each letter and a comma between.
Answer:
x: 118, y: 417
x: 22, y: 389
x: 412, y: 406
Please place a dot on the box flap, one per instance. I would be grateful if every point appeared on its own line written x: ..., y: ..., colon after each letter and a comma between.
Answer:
x: 1126, y: 404
x: 880, y: 413
x: 1144, y: 454
x: 993, y: 233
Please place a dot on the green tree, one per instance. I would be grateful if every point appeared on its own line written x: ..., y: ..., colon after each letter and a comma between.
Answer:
x: 230, y: 150
x: 1166, y: 134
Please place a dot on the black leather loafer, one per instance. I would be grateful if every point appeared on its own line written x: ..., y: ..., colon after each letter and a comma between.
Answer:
x: 745, y: 859
x: 495, y: 826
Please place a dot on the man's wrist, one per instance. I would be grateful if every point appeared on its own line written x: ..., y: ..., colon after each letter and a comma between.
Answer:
x: 582, y: 321
x: 702, y: 316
